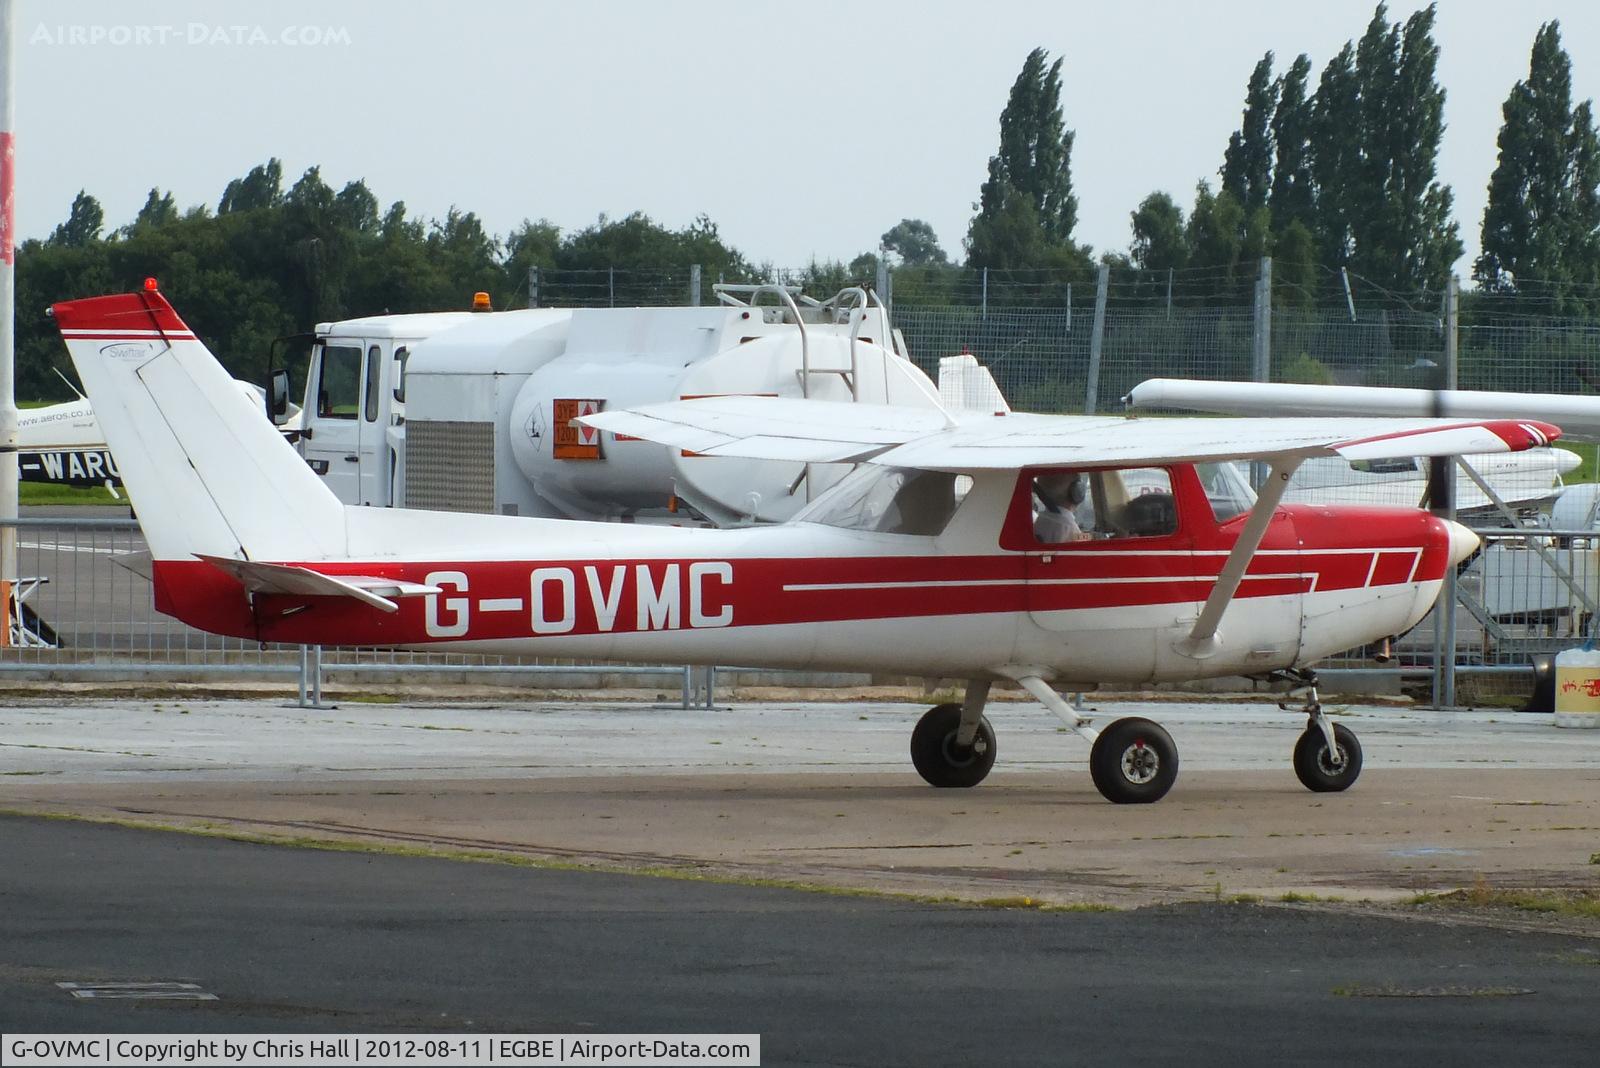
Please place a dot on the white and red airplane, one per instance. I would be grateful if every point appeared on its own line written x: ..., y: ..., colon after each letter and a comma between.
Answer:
x: 1055, y: 552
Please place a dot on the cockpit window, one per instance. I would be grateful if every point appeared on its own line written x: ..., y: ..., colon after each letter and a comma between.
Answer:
x: 1226, y: 489
x: 1076, y: 506
x: 890, y: 500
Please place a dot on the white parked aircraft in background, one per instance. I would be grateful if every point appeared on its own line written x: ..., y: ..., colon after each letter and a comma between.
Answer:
x: 64, y: 445
x: 1526, y: 481
x: 1049, y: 551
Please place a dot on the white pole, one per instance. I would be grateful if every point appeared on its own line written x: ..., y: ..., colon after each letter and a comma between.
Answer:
x: 8, y: 355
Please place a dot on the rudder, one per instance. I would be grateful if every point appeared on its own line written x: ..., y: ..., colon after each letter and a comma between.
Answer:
x: 207, y: 472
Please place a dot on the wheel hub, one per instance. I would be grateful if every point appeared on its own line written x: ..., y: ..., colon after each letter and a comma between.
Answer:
x: 960, y: 756
x: 1140, y: 764
x: 1331, y: 763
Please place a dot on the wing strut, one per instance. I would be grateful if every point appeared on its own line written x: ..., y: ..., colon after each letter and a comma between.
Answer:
x: 1202, y: 639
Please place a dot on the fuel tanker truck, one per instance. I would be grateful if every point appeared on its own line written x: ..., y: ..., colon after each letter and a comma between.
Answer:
x: 476, y: 412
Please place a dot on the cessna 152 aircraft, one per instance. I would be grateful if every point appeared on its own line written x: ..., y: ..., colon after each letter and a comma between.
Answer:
x: 1051, y: 551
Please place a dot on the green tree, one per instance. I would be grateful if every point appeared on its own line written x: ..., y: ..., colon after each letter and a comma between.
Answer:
x: 355, y: 208
x: 1293, y: 189
x: 1227, y: 241
x: 1294, y: 265
x: 1247, y: 164
x: 1336, y: 158
x: 1377, y: 121
x: 1026, y: 207
x: 159, y: 209
x: 83, y: 224
x: 1159, y: 241
x: 915, y: 243
x: 261, y: 188
x: 1540, y: 225
x: 1405, y: 239
x: 1585, y: 264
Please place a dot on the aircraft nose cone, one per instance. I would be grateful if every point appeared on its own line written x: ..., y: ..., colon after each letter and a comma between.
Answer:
x: 1463, y: 542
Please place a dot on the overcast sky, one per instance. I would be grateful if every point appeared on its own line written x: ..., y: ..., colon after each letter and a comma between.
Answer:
x: 804, y: 130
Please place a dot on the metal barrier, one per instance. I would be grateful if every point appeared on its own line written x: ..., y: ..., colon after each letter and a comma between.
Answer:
x: 82, y: 614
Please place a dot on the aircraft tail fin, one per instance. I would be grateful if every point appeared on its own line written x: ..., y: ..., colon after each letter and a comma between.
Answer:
x: 206, y: 470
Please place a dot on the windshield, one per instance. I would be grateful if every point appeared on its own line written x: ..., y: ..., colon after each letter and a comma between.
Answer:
x: 889, y: 500
x: 1226, y: 489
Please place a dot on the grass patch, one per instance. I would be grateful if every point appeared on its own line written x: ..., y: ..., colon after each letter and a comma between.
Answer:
x: 518, y: 860
x: 1589, y: 470
x: 1584, y: 904
x: 1394, y: 990
x: 1296, y: 896
x: 50, y: 493
x: 1042, y: 906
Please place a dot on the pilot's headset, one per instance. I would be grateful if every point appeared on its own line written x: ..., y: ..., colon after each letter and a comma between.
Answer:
x: 1077, y: 491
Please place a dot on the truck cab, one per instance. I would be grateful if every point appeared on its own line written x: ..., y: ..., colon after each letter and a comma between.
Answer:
x: 352, y: 422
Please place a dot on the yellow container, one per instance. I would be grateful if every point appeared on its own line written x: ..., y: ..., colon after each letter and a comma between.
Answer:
x: 1578, y: 688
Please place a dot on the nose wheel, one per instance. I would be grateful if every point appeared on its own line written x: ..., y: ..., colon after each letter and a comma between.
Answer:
x: 1323, y: 769
x: 1327, y: 756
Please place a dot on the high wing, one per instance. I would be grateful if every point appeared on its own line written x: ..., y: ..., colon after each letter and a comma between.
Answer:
x: 772, y: 428
x: 775, y: 429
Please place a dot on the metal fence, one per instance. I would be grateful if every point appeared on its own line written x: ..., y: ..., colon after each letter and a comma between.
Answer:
x: 1055, y: 339
x: 85, y: 614
x: 85, y: 609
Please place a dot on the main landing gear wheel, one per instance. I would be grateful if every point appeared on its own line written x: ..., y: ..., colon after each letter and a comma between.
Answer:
x: 1133, y: 762
x: 1321, y: 771
x: 938, y: 757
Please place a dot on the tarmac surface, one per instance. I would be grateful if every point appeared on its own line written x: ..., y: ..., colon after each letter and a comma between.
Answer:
x: 824, y: 793
x: 744, y: 804
x: 299, y: 940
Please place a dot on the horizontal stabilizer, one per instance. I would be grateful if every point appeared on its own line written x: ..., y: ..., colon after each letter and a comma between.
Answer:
x: 141, y: 564
x: 291, y: 579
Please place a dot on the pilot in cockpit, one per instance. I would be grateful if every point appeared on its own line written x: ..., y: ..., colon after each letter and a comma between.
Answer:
x: 1059, y: 494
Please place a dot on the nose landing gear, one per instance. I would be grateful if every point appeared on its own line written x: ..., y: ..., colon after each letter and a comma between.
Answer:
x: 1327, y: 756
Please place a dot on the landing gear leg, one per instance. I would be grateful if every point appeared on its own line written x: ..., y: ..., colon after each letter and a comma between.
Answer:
x: 1133, y: 761
x: 972, y: 710
x: 1327, y: 756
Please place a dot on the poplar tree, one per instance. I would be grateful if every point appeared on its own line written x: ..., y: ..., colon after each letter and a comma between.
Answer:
x: 1247, y: 164
x: 1026, y: 207
x: 83, y: 224
x: 1540, y: 225
x: 1378, y: 118
x: 1291, y: 197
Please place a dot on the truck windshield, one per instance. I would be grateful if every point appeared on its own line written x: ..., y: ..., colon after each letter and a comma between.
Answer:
x: 889, y: 500
x: 339, y: 382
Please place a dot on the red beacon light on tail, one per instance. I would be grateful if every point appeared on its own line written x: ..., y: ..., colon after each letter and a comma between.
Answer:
x: 150, y: 286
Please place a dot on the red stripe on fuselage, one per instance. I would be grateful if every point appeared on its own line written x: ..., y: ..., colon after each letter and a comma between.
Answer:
x: 763, y: 591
